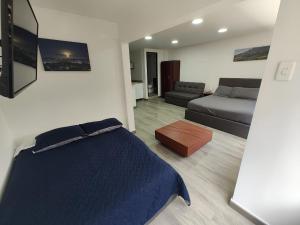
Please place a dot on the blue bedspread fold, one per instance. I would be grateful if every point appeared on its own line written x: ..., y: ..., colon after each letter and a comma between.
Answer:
x: 109, y: 179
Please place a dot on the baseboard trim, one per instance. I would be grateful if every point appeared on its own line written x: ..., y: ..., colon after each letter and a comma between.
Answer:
x: 246, y: 214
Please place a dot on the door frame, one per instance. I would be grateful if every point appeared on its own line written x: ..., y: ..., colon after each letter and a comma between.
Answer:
x: 156, y: 55
x: 162, y: 55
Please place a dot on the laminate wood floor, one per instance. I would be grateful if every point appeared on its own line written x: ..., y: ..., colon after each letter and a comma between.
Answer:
x: 210, y: 174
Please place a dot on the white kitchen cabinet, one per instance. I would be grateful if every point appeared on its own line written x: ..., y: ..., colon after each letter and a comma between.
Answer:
x: 137, y: 91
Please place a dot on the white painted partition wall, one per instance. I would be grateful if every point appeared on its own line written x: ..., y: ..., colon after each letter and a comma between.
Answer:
x: 127, y: 86
x: 6, y: 150
x: 269, y: 181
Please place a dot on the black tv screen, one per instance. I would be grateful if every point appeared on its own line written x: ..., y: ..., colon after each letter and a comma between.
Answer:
x: 24, y: 44
x: 19, y: 28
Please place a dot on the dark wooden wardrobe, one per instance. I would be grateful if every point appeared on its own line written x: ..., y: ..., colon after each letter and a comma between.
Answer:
x: 170, y: 73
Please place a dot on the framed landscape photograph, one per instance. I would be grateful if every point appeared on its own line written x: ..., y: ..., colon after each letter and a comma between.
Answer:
x: 250, y: 54
x: 64, y: 55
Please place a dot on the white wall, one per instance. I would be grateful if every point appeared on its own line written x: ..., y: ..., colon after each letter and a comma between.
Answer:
x: 150, y: 17
x: 130, y: 101
x: 63, y: 98
x: 6, y: 144
x: 269, y: 180
x: 208, y: 62
x: 6, y: 150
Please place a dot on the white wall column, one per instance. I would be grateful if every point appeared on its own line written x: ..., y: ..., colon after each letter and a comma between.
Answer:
x: 268, y: 186
x: 128, y: 86
x: 6, y: 151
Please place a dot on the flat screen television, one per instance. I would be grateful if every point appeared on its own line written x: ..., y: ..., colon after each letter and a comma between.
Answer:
x: 19, y: 40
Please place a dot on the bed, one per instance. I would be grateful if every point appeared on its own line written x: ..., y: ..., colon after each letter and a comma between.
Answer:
x: 89, y: 176
x: 232, y: 115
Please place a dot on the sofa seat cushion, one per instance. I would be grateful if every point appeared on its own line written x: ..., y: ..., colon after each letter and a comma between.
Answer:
x: 182, y: 95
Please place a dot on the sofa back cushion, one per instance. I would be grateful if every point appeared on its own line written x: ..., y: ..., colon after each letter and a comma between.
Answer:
x: 190, y: 87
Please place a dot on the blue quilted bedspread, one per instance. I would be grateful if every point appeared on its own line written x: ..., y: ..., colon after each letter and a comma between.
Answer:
x: 110, y: 179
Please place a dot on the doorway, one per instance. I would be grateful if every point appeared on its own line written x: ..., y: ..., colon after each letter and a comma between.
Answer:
x: 152, y: 73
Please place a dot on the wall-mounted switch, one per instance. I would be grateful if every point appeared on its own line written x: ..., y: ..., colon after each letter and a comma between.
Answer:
x: 286, y: 71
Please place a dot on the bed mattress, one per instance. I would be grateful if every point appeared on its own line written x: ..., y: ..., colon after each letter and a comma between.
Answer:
x: 234, y: 109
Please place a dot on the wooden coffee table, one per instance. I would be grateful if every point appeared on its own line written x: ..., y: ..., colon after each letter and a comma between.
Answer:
x: 183, y: 138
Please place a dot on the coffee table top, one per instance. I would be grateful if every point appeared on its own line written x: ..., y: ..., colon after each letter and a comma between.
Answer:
x: 185, y: 133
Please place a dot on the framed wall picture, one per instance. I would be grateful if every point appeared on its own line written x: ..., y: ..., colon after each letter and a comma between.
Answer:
x: 250, y: 54
x: 64, y: 55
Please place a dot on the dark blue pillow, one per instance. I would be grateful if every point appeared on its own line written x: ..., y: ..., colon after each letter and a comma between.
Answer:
x: 100, y: 127
x: 58, y: 137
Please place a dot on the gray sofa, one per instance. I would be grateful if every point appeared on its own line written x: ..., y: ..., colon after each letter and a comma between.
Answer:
x: 185, y: 92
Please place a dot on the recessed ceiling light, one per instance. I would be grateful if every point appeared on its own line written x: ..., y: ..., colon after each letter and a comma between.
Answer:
x: 197, y: 21
x: 174, y: 42
x: 223, y: 30
x: 148, y: 38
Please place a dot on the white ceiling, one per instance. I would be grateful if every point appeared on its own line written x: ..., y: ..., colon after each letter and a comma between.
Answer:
x: 241, y: 18
x: 130, y: 15
x: 120, y: 11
